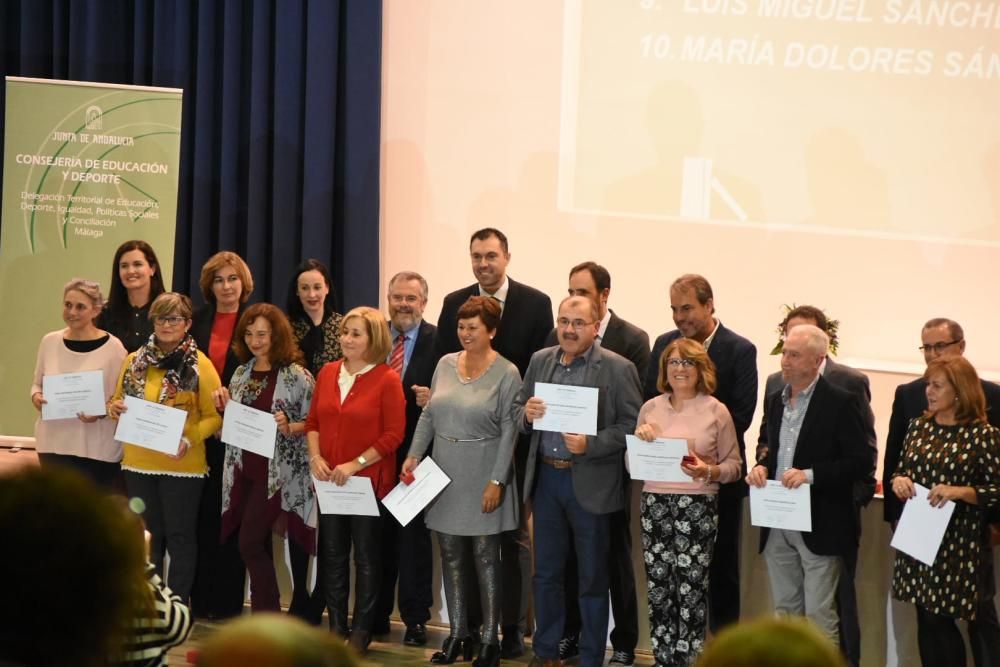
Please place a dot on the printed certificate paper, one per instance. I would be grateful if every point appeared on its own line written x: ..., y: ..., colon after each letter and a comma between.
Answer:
x: 69, y: 394
x: 567, y: 409
x: 407, y: 500
x: 657, y: 461
x: 250, y: 429
x: 356, y: 496
x: 151, y: 425
x: 921, y: 527
x: 774, y: 506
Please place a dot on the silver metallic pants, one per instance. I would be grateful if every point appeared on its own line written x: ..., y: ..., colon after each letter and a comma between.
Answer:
x: 485, y: 553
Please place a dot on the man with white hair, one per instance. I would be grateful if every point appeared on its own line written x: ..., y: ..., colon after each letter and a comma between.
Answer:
x: 816, y: 433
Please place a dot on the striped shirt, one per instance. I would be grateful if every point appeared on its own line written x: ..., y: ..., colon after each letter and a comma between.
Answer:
x: 151, y: 636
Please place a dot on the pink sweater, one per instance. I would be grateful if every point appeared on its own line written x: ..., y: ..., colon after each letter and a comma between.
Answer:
x: 72, y: 436
x: 705, y: 420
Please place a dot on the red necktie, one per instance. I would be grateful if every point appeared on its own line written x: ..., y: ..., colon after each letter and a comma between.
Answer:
x: 396, y: 358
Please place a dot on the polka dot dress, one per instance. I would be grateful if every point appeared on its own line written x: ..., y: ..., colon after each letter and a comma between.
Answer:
x: 960, y: 455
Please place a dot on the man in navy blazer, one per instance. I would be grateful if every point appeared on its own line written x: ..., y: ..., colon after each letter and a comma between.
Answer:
x: 856, y: 383
x: 816, y: 435
x: 525, y: 321
x: 406, y: 550
x: 692, y: 305
x: 941, y: 337
x: 593, y: 281
x: 576, y: 480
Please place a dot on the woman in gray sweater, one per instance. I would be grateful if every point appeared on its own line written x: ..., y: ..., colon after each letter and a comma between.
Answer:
x: 469, y: 418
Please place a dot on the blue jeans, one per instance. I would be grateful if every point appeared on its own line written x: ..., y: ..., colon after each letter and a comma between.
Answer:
x: 561, y: 524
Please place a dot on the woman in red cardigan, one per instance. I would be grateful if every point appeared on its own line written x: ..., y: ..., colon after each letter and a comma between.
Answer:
x: 356, y: 422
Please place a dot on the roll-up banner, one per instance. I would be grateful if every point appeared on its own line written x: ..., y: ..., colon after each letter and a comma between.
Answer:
x: 86, y: 166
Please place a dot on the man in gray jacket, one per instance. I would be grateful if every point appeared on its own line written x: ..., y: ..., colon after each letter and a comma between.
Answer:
x: 575, y: 480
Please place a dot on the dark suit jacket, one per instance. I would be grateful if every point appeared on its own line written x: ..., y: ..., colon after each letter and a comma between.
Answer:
x: 526, y: 321
x: 623, y: 338
x: 597, y: 474
x: 201, y: 329
x: 419, y: 371
x: 856, y: 383
x: 735, y: 360
x: 909, y: 403
x: 831, y: 443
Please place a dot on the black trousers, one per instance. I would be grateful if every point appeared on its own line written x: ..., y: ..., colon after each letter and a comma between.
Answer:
x: 104, y: 474
x: 621, y: 577
x: 220, y: 580
x: 847, y: 608
x: 336, y: 536
x: 724, y: 579
x: 984, y: 632
x: 406, y: 554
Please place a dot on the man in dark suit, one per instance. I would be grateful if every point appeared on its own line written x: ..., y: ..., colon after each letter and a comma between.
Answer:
x: 593, y: 281
x: 525, y: 321
x: 407, y: 549
x: 817, y: 436
x: 856, y: 383
x: 942, y: 337
x: 576, y: 480
x: 693, y: 306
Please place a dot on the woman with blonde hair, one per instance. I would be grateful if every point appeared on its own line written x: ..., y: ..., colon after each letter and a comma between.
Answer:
x: 679, y: 519
x: 356, y: 422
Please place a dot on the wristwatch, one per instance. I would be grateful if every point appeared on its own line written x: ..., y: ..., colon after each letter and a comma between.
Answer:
x: 497, y: 482
x: 362, y: 461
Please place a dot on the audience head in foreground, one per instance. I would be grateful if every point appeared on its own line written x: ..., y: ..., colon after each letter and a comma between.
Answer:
x: 276, y: 641
x: 771, y: 642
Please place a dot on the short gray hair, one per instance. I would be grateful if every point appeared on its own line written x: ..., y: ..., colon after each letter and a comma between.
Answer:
x: 817, y: 340
x: 88, y: 288
x: 409, y: 275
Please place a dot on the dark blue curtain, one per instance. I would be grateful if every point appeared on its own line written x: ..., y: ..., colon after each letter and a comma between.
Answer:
x: 280, y: 134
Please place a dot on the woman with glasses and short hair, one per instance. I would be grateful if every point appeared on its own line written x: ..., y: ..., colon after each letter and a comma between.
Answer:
x: 170, y: 370
x: 679, y: 519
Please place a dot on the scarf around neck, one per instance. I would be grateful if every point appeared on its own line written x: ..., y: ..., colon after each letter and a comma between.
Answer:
x: 181, y: 365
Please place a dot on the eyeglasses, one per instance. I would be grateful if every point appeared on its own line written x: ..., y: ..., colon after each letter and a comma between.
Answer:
x: 938, y: 347
x: 686, y: 363
x: 563, y: 322
x: 170, y: 320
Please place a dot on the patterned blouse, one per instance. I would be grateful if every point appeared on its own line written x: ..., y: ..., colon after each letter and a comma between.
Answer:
x: 320, y: 344
x: 959, y: 455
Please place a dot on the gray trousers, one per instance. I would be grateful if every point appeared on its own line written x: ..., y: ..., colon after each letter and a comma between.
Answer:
x: 802, y: 583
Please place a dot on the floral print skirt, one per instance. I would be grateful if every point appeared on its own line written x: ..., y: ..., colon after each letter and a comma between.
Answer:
x: 678, y: 536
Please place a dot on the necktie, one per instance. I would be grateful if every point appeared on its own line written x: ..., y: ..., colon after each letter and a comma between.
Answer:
x: 396, y: 357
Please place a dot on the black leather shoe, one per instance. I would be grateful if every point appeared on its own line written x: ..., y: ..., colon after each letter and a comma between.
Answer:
x: 415, y: 635
x: 451, y: 649
x: 512, y: 645
x: 380, y: 628
x: 489, y: 656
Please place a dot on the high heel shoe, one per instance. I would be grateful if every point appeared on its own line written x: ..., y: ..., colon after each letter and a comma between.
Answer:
x: 489, y: 656
x: 450, y: 650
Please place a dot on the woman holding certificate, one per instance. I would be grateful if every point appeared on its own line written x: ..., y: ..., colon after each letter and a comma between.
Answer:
x: 170, y: 370
x: 469, y: 420
x: 257, y: 491
x: 135, y: 282
x: 356, y: 422
x: 954, y: 453
x: 679, y: 519
x: 75, y: 439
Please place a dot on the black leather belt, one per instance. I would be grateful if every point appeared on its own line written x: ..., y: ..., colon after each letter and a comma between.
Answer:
x: 558, y: 464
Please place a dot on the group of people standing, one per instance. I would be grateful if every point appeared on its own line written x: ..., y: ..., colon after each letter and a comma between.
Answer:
x: 360, y: 395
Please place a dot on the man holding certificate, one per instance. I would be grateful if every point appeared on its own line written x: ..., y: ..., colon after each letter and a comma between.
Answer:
x: 575, y: 479
x: 816, y: 431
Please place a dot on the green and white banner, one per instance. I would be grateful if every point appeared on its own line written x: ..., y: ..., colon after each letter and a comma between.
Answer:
x: 86, y: 167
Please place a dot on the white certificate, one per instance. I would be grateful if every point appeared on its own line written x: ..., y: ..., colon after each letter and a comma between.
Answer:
x: 250, y: 429
x: 356, y: 496
x: 775, y: 506
x: 407, y: 500
x: 921, y: 526
x: 68, y: 394
x: 567, y: 409
x: 657, y: 461
x: 151, y: 425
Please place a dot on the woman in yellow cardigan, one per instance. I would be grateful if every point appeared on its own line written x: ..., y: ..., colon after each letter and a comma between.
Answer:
x: 170, y: 370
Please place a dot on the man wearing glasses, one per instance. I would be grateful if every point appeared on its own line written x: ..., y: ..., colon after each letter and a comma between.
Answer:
x: 942, y: 337
x: 575, y: 480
